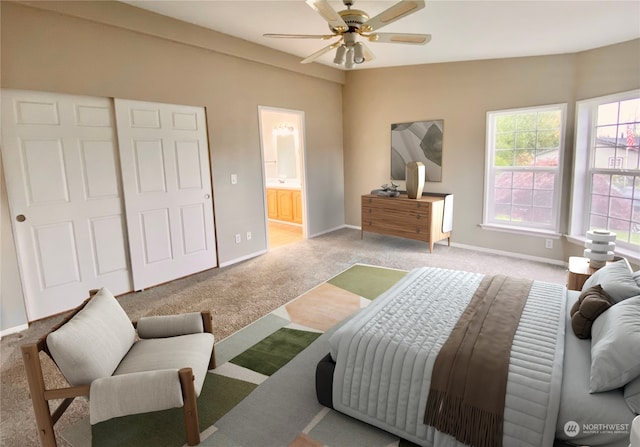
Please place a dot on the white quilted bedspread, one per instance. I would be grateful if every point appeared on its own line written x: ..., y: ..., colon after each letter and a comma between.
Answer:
x: 385, y: 354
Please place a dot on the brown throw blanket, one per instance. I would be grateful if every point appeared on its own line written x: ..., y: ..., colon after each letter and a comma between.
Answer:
x: 469, y: 378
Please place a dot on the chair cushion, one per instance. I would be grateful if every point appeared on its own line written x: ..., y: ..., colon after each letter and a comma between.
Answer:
x: 184, y: 351
x: 94, y: 341
x: 134, y: 393
x: 170, y: 325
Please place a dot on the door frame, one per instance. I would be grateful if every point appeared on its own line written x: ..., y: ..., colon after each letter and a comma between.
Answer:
x: 300, y: 124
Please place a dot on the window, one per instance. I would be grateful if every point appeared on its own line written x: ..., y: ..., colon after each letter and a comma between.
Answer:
x: 606, y: 187
x: 523, y: 168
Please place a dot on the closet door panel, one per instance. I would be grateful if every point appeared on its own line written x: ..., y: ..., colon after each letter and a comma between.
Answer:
x: 60, y: 163
x: 167, y: 190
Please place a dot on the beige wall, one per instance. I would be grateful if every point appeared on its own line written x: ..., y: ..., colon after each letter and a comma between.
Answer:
x: 461, y: 94
x: 608, y: 70
x: 56, y: 52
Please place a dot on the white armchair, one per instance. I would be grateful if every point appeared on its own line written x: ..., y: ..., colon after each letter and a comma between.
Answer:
x: 99, y: 353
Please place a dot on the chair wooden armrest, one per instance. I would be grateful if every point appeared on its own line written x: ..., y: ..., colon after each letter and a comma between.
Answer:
x: 40, y: 395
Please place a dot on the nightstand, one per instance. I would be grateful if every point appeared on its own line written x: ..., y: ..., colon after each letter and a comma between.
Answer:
x: 580, y: 271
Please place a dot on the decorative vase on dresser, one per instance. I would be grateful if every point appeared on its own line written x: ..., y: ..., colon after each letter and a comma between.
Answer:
x: 414, y: 173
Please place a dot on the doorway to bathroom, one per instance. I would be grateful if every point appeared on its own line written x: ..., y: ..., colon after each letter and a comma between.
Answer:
x: 283, y: 172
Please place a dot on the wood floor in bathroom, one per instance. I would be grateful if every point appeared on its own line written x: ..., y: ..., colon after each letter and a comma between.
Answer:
x: 283, y: 234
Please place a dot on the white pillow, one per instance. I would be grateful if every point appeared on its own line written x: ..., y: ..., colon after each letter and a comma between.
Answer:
x: 616, y: 279
x: 632, y: 395
x: 615, y: 346
x: 93, y: 342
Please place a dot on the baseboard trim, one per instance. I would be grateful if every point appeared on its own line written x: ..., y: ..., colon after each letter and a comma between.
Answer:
x: 492, y: 251
x: 242, y: 258
x: 507, y: 253
x: 339, y: 227
x: 13, y: 330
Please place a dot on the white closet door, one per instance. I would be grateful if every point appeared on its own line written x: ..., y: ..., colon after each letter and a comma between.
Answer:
x: 60, y: 160
x: 167, y: 190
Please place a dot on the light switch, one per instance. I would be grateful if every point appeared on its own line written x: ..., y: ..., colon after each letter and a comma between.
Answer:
x: 234, y: 179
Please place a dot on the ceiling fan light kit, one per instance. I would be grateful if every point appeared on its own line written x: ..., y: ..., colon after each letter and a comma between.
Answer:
x: 348, y: 24
x: 350, y: 59
x: 358, y: 53
x: 340, y: 55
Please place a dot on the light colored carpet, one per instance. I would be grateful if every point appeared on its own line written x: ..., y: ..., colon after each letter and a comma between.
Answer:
x: 283, y: 410
x: 240, y: 294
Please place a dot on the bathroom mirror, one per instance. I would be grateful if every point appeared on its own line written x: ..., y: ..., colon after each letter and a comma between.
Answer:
x: 286, y: 159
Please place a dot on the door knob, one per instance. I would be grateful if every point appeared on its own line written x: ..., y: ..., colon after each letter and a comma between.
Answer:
x: 20, y: 218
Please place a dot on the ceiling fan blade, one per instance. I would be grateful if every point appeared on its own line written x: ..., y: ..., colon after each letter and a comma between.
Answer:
x: 368, y: 55
x: 300, y: 36
x: 321, y: 51
x: 414, y: 39
x: 334, y: 20
x: 396, y: 12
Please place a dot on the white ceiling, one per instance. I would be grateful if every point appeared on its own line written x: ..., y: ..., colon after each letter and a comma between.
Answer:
x: 461, y: 30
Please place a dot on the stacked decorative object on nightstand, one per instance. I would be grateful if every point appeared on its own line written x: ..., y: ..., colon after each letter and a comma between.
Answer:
x: 599, y: 247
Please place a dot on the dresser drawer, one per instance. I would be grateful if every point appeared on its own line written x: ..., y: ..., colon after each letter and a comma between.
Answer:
x: 396, y: 217
x: 395, y: 228
x: 418, y: 219
x: 395, y: 203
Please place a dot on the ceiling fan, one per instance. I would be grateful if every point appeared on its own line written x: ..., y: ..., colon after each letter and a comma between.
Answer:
x: 348, y: 24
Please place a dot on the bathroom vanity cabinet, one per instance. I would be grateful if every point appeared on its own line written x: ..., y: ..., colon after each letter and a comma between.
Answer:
x: 284, y: 204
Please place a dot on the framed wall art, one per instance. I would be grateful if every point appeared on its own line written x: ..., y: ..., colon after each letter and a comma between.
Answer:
x: 417, y: 141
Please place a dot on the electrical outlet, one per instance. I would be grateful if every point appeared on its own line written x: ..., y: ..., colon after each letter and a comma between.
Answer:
x: 238, y: 239
x: 248, y: 235
x: 548, y: 243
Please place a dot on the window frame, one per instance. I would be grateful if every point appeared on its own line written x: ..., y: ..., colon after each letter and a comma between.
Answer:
x: 586, y: 124
x: 490, y: 169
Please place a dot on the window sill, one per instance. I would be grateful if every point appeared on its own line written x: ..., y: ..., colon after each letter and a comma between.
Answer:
x: 522, y: 231
x: 631, y: 255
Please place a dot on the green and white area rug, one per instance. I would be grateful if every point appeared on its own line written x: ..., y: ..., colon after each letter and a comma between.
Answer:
x: 262, y: 394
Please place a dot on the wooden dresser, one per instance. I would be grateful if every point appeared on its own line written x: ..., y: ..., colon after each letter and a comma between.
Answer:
x: 420, y: 219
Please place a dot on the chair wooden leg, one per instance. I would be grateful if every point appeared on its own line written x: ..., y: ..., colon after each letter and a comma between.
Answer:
x: 207, y: 321
x: 191, y: 424
x: 44, y: 422
x: 212, y: 360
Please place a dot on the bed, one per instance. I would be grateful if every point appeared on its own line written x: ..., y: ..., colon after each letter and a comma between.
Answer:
x: 380, y: 365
